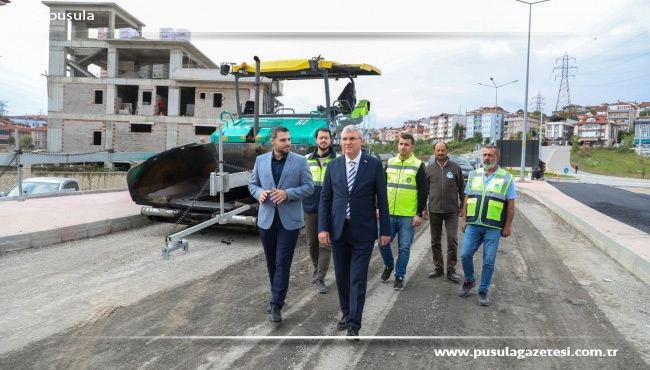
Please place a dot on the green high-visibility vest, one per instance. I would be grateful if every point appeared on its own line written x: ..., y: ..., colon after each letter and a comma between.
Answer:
x: 488, y: 205
x: 318, y: 172
x: 402, y: 186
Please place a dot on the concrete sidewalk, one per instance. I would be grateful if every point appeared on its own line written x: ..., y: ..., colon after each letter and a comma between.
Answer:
x: 627, y: 245
x: 45, y: 221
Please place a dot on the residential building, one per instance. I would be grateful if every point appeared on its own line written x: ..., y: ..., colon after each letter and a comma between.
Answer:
x: 559, y: 130
x: 644, y: 109
x: 39, y: 136
x: 488, y: 121
x: 441, y: 127
x: 8, y: 130
x: 514, y: 123
x: 36, y: 120
x: 415, y: 128
x: 642, y: 132
x: 621, y: 116
x: 592, y: 130
x: 130, y: 93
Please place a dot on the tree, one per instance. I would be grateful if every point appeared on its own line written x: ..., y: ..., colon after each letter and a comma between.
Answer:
x: 478, y: 137
x: 575, y: 144
x: 459, y: 132
x: 26, y: 142
x: 520, y: 111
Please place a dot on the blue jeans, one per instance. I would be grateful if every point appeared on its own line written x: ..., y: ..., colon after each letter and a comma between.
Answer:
x: 402, y: 226
x: 474, y: 236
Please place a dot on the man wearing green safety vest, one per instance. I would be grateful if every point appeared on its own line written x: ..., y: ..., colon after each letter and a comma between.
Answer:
x: 317, y: 161
x: 489, y: 209
x: 406, y: 180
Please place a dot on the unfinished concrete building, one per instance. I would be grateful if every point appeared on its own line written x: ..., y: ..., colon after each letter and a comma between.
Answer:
x: 110, y: 88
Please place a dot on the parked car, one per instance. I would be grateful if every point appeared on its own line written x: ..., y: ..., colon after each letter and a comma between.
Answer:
x: 40, y: 185
x: 462, y: 161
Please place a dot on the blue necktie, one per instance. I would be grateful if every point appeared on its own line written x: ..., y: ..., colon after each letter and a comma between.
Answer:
x: 351, y: 176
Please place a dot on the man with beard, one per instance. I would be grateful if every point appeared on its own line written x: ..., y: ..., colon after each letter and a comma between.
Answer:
x: 320, y: 254
x: 280, y: 180
x: 489, y: 210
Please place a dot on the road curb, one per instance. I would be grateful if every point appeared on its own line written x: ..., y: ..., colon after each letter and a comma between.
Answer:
x: 68, y: 233
x: 630, y: 259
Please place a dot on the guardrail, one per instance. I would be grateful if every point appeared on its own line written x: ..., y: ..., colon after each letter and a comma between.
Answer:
x: 6, y: 159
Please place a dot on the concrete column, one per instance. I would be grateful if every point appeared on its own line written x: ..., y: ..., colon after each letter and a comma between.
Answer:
x: 79, y: 30
x: 113, y: 62
x: 56, y: 65
x: 108, y: 142
x: 58, y: 28
x: 171, y: 135
x: 54, y: 135
x: 175, y: 60
x: 173, y: 101
x: 111, y: 25
x: 111, y: 93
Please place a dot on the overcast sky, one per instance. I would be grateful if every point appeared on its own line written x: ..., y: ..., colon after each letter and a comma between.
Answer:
x: 432, y: 56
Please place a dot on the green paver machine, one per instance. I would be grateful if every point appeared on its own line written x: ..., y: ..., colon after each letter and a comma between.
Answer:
x: 206, y: 184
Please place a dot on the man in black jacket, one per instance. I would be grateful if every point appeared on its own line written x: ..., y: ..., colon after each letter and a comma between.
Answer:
x: 446, y: 187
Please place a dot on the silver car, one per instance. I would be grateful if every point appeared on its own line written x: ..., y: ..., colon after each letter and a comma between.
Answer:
x: 40, y: 185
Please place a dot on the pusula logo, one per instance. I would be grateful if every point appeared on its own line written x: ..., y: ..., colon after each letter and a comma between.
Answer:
x: 72, y: 16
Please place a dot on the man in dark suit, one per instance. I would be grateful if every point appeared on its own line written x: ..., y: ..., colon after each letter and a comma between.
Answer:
x: 280, y: 180
x: 353, y: 190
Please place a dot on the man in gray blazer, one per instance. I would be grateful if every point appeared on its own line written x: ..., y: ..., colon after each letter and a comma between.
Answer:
x: 280, y: 180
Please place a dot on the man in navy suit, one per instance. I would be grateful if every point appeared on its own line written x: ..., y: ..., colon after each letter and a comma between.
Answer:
x: 353, y: 190
x: 280, y: 180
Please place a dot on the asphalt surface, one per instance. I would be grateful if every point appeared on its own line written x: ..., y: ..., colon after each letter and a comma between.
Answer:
x: 111, y: 303
x: 631, y: 208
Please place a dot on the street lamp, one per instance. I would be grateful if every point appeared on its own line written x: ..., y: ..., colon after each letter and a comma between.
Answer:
x: 523, y: 133
x: 496, y: 95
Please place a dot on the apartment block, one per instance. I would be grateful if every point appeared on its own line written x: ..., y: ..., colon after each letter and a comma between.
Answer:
x: 486, y: 121
x: 514, y: 123
x: 441, y: 127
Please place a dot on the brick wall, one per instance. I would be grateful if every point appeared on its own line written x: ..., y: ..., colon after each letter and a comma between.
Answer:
x: 204, y: 108
x: 78, y: 136
x: 80, y: 98
x: 126, y: 141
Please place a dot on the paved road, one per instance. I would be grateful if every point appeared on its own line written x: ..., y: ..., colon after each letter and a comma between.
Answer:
x: 631, y: 208
x: 559, y: 157
x: 112, y: 303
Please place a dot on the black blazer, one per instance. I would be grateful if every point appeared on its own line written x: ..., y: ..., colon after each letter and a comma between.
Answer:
x: 368, y: 194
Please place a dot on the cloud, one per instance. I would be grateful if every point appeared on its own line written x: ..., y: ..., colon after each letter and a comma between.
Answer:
x: 495, y: 49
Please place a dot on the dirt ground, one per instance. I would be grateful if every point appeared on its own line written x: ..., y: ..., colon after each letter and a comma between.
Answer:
x: 112, y: 303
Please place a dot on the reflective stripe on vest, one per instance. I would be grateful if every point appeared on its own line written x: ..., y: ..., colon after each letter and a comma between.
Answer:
x: 318, y: 172
x: 488, y: 205
x: 402, y: 186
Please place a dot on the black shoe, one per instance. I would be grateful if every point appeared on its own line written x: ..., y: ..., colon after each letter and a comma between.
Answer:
x: 313, y: 277
x: 320, y: 286
x: 343, y: 323
x: 436, y: 274
x: 464, y: 290
x: 452, y: 276
x: 352, y: 332
x: 483, y: 299
x: 276, y: 315
x: 386, y: 274
x: 268, y: 308
x: 399, y: 283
